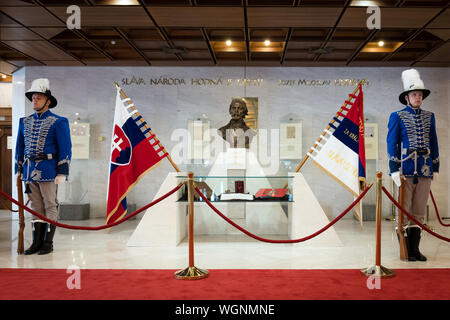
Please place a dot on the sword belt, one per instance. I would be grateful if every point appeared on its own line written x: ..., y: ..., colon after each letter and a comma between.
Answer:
x: 41, y: 156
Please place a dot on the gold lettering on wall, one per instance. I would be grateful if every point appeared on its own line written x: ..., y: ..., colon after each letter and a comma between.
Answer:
x: 225, y: 82
x: 321, y: 83
x: 171, y: 81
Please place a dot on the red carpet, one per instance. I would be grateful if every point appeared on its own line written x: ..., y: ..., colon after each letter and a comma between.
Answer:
x: 106, y: 284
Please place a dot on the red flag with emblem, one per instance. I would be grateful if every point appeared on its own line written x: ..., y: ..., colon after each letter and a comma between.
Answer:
x: 135, y: 151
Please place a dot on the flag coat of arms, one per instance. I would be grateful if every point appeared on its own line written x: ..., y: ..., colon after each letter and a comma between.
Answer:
x: 135, y: 151
x: 340, y: 151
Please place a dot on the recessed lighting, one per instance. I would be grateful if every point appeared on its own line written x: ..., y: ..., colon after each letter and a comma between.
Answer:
x: 126, y: 2
x: 362, y: 3
x: 228, y: 42
x: 113, y: 42
x: 4, y: 76
x: 267, y: 42
x: 381, y: 46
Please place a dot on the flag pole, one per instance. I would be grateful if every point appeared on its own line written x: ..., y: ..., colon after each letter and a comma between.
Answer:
x: 146, y: 126
x: 20, y: 248
x: 400, y: 234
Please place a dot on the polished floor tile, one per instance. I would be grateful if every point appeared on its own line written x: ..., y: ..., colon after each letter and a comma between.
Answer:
x: 107, y: 249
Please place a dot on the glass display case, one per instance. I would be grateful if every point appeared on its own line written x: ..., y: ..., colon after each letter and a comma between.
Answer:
x: 293, y: 215
x: 241, y: 188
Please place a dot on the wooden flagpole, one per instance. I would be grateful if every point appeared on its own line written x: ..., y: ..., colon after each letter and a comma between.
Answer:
x: 147, y: 127
x: 400, y: 234
x: 20, y: 248
x: 306, y: 157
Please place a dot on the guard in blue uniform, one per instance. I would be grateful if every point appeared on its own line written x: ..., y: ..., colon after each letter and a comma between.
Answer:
x: 43, y: 154
x: 413, y: 152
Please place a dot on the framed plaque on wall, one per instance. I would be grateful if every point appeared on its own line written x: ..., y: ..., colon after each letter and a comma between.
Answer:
x: 290, y: 140
x: 371, y: 140
x: 79, y: 132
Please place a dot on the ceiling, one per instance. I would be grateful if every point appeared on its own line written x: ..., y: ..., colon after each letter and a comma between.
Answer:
x: 193, y: 33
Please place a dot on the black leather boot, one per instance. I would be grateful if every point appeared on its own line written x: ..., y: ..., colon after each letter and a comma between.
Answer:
x: 416, y: 234
x: 38, y: 230
x: 47, y: 244
x: 410, y: 245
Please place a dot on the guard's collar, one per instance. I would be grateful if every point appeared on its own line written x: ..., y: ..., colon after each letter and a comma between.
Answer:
x: 42, y: 115
x: 413, y: 110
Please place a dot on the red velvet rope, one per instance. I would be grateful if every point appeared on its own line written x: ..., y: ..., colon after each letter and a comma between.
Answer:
x: 106, y: 226
x: 437, y: 212
x: 283, y: 241
x: 411, y: 217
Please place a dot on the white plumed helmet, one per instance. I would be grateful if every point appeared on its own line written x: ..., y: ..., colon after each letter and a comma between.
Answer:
x: 411, y: 82
x: 41, y: 86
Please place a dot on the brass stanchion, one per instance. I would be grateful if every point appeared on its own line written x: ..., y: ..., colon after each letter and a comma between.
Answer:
x: 191, y: 272
x: 378, y: 270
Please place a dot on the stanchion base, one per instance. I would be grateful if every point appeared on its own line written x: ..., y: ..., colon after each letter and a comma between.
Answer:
x: 191, y: 273
x: 378, y: 271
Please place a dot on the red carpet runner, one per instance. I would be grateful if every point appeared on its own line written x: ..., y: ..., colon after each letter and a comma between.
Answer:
x: 113, y: 284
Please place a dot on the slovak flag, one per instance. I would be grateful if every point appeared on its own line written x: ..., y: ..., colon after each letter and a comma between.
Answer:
x: 135, y: 151
x: 341, y: 150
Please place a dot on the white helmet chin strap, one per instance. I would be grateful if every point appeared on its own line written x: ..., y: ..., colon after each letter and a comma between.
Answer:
x: 46, y: 100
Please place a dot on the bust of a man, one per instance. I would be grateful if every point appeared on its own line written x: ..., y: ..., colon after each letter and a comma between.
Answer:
x: 236, y: 132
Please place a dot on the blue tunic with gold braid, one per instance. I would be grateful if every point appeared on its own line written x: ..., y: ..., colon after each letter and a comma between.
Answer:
x: 43, y: 148
x: 412, y: 143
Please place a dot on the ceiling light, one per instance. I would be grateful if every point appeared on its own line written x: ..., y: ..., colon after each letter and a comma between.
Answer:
x: 362, y: 3
x: 4, y: 76
x: 126, y: 2
x: 113, y: 42
x: 228, y: 42
x: 381, y: 46
x: 267, y: 42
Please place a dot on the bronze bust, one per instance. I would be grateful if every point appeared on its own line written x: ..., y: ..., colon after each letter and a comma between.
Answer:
x: 236, y: 132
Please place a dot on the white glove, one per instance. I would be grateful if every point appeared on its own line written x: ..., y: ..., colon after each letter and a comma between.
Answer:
x: 435, y: 176
x: 60, y: 179
x: 396, y: 177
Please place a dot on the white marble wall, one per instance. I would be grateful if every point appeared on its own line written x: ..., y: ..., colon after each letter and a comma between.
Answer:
x: 90, y: 92
x: 18, y: 111
x: 5, y: 94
